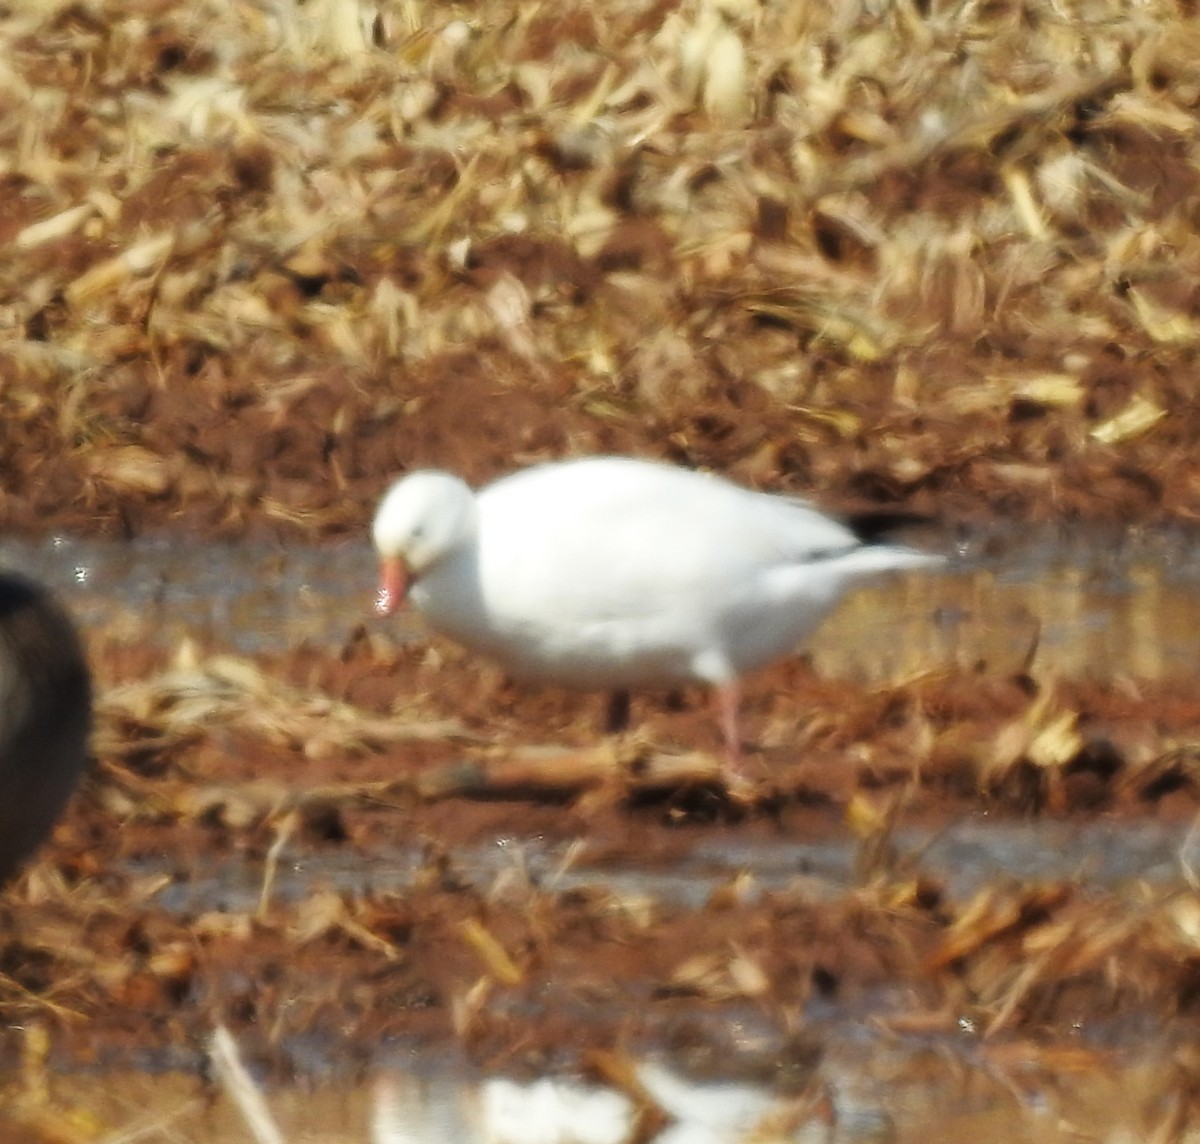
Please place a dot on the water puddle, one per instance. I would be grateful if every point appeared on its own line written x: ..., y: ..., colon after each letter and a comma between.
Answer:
x: 1118, y: 857
x: 246, y: 597
x: 861, y: 1093
x: 1090, y: 602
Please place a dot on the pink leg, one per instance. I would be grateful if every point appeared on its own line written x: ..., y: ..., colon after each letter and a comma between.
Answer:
x: 729, y: 697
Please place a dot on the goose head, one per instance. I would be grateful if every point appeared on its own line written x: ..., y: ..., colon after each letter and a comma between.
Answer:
x: 422, y: 519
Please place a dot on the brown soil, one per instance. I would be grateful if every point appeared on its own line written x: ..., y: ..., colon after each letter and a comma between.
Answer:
x: 847, y: 280
x: 521, y: 975
x: 950, y: 271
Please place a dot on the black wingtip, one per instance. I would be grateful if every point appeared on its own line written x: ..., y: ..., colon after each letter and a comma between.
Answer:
x: 875, y: 525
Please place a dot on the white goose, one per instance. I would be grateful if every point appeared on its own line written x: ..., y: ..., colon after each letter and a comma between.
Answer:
x: 614, y: 573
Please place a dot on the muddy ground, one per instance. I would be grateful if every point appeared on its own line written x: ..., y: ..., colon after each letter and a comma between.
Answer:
x: 937, y: 258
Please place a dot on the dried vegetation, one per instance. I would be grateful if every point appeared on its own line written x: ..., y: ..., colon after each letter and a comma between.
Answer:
x: 226, y: 777
x: 259, y: 257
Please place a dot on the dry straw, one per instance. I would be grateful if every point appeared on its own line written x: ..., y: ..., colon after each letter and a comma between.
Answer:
x: 341, y: 186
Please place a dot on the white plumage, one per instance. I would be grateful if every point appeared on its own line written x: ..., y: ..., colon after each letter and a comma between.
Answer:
x: 614, y: 573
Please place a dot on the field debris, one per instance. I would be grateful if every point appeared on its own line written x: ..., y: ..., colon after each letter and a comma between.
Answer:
x: 208, y: 767
x: 262, y: 258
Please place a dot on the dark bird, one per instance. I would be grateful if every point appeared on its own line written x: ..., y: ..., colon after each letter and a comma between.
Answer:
x: 45, y: 716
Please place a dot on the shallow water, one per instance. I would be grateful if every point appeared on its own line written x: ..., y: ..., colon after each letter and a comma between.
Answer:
x: 1088, y: 602
x: 248, y: 597
x: 1111, y: 857
x: 865, y: 1091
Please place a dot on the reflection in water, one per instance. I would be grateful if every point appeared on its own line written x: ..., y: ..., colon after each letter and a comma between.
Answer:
x: 868, y: 1089
x: 1088, y: 602
x: 1092, y: 604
